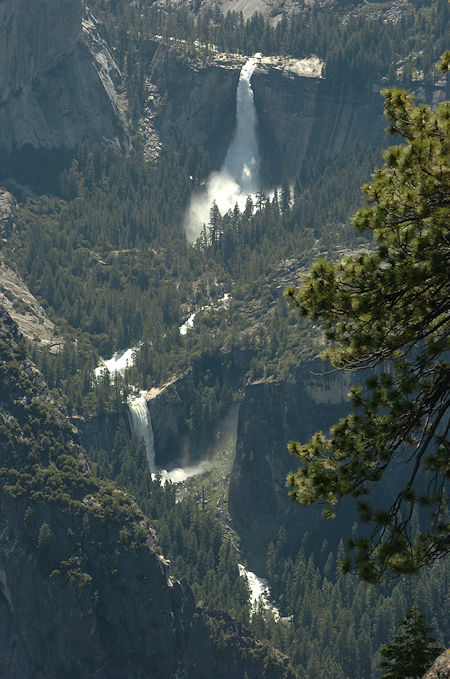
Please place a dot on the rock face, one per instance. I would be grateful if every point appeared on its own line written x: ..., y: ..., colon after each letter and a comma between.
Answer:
x: 51, y: 93
x: 170, y: 408
x: 302, y: 117
x: 7, y: 206
x: 440, y: 668
x: 200, y: 102
x: 15, y: 296
x: 270, y: 415
x: 300, y: 114
x: 34, y: 37
x: 24, y: 308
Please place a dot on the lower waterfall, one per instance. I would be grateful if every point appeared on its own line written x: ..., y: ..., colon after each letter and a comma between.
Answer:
x: 141, y: 425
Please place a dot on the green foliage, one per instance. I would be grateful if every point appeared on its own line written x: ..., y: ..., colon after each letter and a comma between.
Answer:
x: 390, y: 304
x: 411, y: 653
x: 335, y: 626
x: 110, y: 279
x: 248, y: 243
x: 45, y: 535
x: 70, y: 519
x: 109, y: 261
x: 193, y: 540
x: 367, y: 45
x: 111, y: 264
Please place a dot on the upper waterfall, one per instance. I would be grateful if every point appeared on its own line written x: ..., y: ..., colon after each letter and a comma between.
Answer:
x: 239, y: 176
x: 242, y: 160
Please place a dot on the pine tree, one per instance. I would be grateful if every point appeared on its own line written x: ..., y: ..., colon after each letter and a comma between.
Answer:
x: 389, y: 308
x: 411, y: 652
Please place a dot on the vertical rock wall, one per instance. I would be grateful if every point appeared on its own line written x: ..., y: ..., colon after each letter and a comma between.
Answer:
x: 34, y: 36
x: 270, y: 415
x: 57, y: 81
x: 300, y: 118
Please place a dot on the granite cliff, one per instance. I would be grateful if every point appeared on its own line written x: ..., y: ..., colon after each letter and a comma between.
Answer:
x: 271, y: 414
x: 302, y: 117
x: 300, y: 113
x: 312, y: 398
x: 57, y: 78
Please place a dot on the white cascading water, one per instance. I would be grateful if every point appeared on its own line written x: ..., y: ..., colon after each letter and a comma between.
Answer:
x: 141, y: 425
x: 242, y: 160
x: 239, y: 176
x: 259, y: 592
x: 118, y: 362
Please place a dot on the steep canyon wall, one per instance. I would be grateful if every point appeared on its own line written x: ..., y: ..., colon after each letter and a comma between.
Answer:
x: 34, y: 37
x: 270, y: 415
x: 84, y: 590
x: 57, y: 79
x: 299, y: 117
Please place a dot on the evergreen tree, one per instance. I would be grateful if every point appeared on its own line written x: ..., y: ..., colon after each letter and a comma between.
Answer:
x: 411, y: 652
x: 390, y: 307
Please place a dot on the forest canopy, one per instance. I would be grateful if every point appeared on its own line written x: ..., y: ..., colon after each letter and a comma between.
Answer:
x: 387, y: 311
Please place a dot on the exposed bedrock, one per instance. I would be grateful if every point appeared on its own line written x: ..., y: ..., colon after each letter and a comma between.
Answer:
x: 171, y: 409
x: 34, y: 37
x: 300, y: 116
x: 57, y: 78
x: 271, y: 414
x: 84, y: 591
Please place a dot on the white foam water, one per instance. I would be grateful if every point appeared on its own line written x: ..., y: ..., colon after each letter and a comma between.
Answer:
x: 118, y: 362
x: 239, y: 176
x: 180, y: 474
x: 259, y: 591
x: 141, y: 425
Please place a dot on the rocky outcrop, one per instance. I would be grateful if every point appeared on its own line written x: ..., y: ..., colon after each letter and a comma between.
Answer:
x: 269, y: 8
x: 440, y: 668
x: 272, y: 413
x: 15, y: 296
x: 83, y: 591
x: 301, y: 118
x: 34, y: 37
x: 57, y: 78
x: 199, y: 102
x: 26, y: 311
x: 178, y: 438
x: 301, y: 115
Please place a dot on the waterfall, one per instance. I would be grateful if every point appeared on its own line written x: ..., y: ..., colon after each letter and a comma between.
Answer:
x: 239, y: 176
x: 259, y: 592
x: 141, y: 425
x: 242, y: 160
